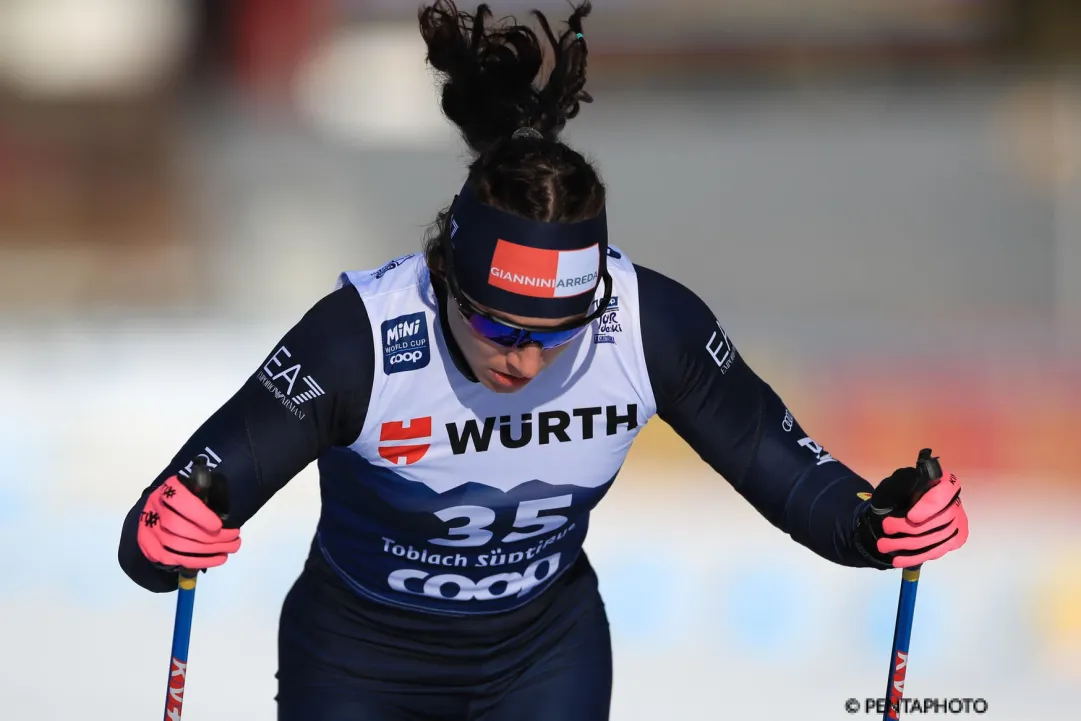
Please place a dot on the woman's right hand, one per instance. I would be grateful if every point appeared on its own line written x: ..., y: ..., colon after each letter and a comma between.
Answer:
x: 177, y: 530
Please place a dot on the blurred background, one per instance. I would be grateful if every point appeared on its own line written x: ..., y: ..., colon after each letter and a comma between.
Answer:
x: 880, y: 199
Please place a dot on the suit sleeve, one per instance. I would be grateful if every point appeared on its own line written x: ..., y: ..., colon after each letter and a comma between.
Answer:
x: 735, y: 422
x: 309, y: 393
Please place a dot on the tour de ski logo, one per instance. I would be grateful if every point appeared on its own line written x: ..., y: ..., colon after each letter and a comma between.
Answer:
x: 609, y: 323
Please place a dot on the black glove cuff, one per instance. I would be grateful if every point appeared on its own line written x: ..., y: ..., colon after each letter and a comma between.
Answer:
x: 866, y: 541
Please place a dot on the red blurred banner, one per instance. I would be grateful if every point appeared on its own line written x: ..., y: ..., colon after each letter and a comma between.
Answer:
x: 997, y: 424
x: 1007, y: 422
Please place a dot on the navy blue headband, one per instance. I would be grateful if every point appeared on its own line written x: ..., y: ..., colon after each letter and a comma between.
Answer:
x: 526, y: 267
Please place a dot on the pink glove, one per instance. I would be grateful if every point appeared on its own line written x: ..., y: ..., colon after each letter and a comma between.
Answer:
x: 913, y: 533
x: 934, y: 526
x: 177, y: 530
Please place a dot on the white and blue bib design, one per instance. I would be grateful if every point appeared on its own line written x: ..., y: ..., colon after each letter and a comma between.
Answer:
x: 461, y: 500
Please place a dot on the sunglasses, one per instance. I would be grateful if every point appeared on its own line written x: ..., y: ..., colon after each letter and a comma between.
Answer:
x: 511, y: 335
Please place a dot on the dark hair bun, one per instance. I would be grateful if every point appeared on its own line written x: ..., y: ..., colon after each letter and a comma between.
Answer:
x: 490, y: 89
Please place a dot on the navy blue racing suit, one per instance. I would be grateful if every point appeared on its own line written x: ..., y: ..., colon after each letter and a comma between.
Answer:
x: 470, y: 598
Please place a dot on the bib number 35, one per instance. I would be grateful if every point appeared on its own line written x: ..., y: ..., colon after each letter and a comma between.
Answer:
x: 528, y: 522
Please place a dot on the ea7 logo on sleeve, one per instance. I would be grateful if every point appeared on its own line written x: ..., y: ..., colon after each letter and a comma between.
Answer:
x: 721, y: 350
x: 405, y: 343
x: 409, y: 453
x: 280, y: 376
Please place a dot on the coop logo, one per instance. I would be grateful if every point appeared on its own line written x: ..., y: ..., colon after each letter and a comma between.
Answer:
x: 405, y: 343
x: 609, y: 323
x: 543, y: 427
x: 393, y: 433
x: 411, y: 356
x: 454, y: 587
x: 287, y: 383
x: 211, y: 459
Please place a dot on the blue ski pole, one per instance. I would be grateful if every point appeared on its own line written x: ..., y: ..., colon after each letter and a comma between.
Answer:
x: 931, y: 473
x: 199, y: 484
x: 178, y: 663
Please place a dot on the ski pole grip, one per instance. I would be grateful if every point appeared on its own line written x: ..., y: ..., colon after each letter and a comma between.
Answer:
x: 930, y: 475
x: 928, y: 466
x: 200, y: 480
x: 209, y: 487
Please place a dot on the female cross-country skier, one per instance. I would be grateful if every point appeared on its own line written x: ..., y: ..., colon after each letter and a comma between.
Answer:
x: 468, y: 406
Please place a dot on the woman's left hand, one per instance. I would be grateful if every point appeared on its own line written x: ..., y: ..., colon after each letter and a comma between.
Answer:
x: 913, y: 533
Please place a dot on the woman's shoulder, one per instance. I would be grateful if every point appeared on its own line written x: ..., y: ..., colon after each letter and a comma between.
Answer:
x: 403, y: 272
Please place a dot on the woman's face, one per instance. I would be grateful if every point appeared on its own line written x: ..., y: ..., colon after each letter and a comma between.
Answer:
x: 501, y: 369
